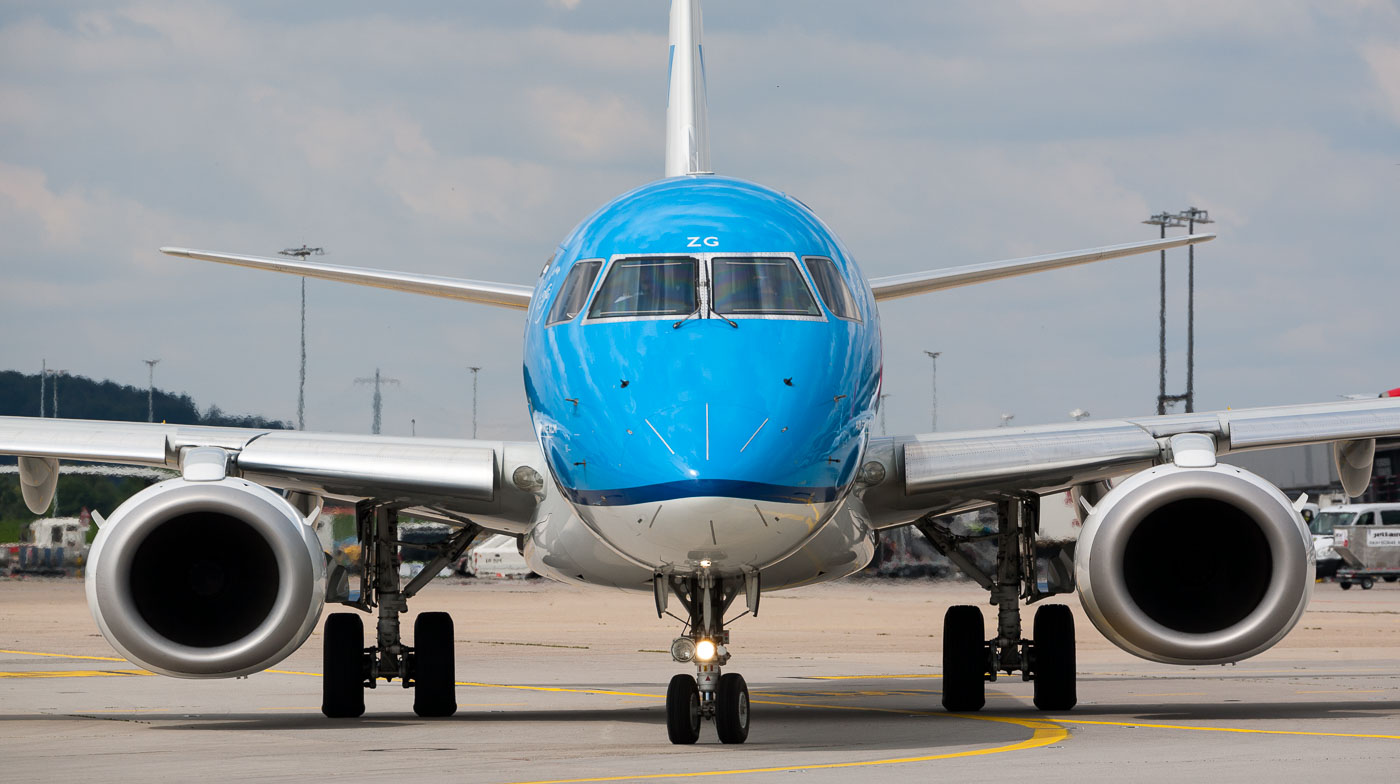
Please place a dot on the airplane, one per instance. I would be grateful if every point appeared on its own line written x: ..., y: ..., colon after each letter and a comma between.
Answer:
x: 702, y: 366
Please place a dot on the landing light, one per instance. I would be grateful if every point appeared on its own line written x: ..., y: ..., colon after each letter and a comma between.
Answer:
x: 704, y: 650
x: 683, y: 649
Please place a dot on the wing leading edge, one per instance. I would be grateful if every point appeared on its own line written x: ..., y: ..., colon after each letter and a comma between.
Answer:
x: 944, y: 472
x: 506, y: 295
x: 462, y: 477
x: 908, y: 284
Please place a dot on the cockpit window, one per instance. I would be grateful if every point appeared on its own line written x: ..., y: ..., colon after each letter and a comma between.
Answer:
x: 832, y: 288
x: 574, y: 292
x: 648, y: 287
x: 768, y: 285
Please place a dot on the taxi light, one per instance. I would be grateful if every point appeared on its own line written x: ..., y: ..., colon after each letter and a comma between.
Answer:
x: 704, y: 651
x: 683, y: 649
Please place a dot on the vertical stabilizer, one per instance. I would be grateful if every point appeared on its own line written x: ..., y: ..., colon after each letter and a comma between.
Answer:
x: 687, y: 122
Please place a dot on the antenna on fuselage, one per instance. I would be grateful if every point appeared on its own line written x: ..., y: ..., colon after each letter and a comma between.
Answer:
x: 687, y: 118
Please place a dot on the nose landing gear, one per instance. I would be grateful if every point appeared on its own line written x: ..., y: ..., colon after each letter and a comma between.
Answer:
x: 711, y: 694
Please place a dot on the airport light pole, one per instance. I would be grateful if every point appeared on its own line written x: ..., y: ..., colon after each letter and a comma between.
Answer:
x: 43, y: 379
x: 883, y: 395
x: 933, y: 389
x: 1165, y: 220
x: 151, y: 389
x: 1192, y: 216
x: 378, y: 404
x: 53, y: 387
x: 475, y: 371
x: 301, y: 253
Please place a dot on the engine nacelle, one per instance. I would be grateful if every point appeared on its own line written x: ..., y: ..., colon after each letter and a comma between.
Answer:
x: 1194, y: 565
x: 206, y: 579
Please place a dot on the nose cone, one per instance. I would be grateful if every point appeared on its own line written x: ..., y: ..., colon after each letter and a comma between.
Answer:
x: 727, y: 423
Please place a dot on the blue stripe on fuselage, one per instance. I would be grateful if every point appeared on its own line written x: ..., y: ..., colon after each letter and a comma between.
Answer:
x: 703, y: 488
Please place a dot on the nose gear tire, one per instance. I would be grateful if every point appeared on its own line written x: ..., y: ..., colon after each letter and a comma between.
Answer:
x: 732, y: 708
x: 683, y: 710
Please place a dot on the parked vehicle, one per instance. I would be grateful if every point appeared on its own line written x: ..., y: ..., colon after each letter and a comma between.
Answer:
x: 1365, y: 549
x: 1324, y: 524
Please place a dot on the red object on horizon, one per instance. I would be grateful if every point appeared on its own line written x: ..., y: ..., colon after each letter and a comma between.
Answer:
x: 1391, y: 393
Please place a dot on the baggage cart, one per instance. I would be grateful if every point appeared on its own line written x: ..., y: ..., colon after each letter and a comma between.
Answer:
x: 1369, y: 552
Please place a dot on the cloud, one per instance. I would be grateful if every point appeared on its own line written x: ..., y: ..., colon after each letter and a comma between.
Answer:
x: 1384, y: 62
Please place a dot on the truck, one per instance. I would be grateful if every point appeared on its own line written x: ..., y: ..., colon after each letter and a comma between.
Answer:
x: 1366, y: 540
x: 53, y: 545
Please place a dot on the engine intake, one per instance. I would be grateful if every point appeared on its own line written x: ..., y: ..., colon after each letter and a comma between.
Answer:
x: 206, y: 579
x: 1199, y: 565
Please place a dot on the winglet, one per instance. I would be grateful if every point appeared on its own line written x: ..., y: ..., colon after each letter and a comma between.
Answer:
x: 687, y: 121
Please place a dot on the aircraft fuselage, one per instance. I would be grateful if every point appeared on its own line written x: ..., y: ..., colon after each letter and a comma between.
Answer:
x: 695, y: 388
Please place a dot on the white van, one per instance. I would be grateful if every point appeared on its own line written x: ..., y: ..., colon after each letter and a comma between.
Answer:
x: 1328, y: 519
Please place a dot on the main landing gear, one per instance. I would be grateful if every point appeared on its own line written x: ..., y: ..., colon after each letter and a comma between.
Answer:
x: 710, y: 694
x: 969, y: 659
x: 429, y: 665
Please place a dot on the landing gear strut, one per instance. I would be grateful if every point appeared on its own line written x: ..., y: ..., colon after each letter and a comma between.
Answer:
x: 429, y: 666
x: 969, y: 659
x: 710, y: 694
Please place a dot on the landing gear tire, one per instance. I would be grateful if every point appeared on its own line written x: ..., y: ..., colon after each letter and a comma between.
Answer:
x: 1367, y: 583
x: 1054, y: 658
x: 683, y: 710
x: 434, y: 668
x: 732, y: 708
x: 342, y: 665
x: 964, y: 659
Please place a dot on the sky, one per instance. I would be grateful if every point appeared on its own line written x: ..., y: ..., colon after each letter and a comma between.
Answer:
x: 467, y: 139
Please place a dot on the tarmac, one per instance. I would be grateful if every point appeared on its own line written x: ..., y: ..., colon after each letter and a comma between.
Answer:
x: 566, y: 685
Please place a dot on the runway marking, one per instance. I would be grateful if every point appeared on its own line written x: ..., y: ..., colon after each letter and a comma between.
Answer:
x: 1241, y: 730
x: 863, y: 677
x: 1044, y: 733
x: 65, y: 655
x: 72, y: 673
x: 1341, y: 691
x: 1173, y: 694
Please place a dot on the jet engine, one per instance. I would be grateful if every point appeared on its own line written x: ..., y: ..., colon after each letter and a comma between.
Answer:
x: 1194, y: 565
x: 206, y: 579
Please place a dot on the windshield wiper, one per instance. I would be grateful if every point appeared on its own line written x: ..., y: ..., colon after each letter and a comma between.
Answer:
x: 722, y: 317
x: 678, y: 324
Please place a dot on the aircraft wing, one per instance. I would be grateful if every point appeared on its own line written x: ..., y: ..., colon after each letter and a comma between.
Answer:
x: 894, y: 286
x: 449, y: 477
x: 506, y: 295
x: 940, y: 473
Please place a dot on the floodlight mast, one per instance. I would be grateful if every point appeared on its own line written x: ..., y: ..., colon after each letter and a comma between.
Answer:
x: 378, y: 403
x: 933, y: 389
x: 302, y: 253
x: 1192, y: 216
x: 1164, y: 220
x: 475, y: 371
x: 151, y: 389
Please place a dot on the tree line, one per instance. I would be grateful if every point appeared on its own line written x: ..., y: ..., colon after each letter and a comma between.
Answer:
x: 80, y: 397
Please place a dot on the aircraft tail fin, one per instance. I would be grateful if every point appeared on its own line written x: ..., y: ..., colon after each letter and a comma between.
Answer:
x: 687, y: 117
